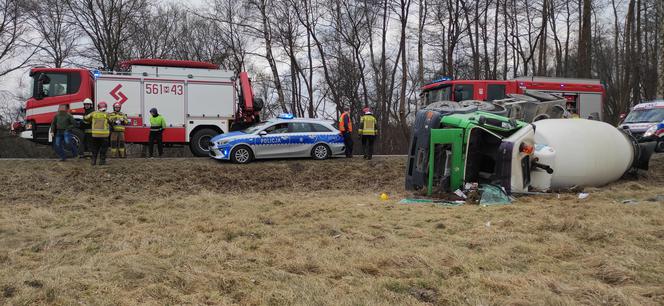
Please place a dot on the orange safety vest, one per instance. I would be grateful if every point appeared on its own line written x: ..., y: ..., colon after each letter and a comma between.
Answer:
x: 342, y: 123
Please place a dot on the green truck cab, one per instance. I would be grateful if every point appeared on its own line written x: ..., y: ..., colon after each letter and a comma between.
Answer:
x: 448, y: 150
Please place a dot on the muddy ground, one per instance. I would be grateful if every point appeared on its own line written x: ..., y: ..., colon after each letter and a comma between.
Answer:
x: 176, y: 231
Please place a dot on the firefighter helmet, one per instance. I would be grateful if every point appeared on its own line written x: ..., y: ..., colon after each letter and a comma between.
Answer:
x: 102, y: 106
x: 117, y: 106
x: 366, y: 111
x: 87, y: 101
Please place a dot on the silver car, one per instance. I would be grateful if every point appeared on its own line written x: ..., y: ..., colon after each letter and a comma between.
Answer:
x: 279, y: 138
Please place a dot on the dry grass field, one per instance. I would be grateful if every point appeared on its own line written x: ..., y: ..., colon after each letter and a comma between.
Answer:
x: 172, y: 231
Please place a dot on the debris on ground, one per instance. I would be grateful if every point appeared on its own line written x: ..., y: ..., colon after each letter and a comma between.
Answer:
x: 493, y: 195
x: 657, y: 198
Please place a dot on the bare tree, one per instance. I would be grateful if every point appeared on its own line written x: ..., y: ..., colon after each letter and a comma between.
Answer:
x: 585, y: 42
x: 51, y: 20
x: 13, y: 31
x: 156, y: 32
x: 108, y: 25
x: 660, y: 20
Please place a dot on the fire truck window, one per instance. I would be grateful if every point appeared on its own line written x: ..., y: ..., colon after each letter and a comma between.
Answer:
x: 74, y: 83
x: 57, y: 85
x: 438, y: 94
x: 463, y: 92
x: 495, y: 92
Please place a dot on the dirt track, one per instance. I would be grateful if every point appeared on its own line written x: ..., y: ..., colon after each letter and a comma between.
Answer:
x: 307, y: 232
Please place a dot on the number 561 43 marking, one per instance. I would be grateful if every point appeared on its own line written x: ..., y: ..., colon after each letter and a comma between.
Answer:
x: 164, y: 89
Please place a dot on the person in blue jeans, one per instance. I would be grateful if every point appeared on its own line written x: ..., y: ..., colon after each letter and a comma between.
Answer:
x: 61, y: 127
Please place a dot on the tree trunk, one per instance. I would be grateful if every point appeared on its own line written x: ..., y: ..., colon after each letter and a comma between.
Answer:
x: 541, y: 62
x: 660, y: 75
x: 584, y: 66
x: 420, y: 42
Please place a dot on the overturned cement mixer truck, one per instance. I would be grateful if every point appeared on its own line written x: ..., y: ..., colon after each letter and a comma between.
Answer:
x: 453, y: 146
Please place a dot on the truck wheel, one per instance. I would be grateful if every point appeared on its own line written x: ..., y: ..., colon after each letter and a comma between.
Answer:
x: 242, y: 155
x: 320, y: 152
x: 199, y: 144
x: 660, y: 146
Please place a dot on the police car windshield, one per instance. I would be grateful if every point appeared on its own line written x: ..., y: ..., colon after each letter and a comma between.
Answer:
x: 645, y: 115
x: 255, y: 128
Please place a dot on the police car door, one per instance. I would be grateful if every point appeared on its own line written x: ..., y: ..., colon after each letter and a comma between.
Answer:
x: 273, y: 144
x: 301, y: 139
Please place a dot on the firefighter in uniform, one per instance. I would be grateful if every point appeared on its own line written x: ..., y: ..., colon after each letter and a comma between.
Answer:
x: 368, y: 132
x: 118, y: 121
x: 85, y: 126
x: 346, y: 129
x: 100, y: 130
x: 157, y: 126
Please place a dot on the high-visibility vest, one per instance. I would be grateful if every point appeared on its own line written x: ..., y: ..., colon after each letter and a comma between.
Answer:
x: 157, y: 123
x: 98, y: 124
x: 368, y: 123
x: 118, y: 120
x: 342, y: 124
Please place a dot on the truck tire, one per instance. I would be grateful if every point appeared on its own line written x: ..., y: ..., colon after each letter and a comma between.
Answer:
x: 242, y: 155
x: 200, y: 142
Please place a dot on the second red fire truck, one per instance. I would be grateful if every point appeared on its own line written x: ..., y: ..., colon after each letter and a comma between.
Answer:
x: 585, y: 97
x: 197, y: 99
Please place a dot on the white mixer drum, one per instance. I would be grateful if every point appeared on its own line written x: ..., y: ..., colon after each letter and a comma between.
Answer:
x: 540, y: 179
x: 587, y: 152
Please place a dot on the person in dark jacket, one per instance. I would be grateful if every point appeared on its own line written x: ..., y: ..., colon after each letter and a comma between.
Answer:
x: 61, y: 127
x: 157, y: 126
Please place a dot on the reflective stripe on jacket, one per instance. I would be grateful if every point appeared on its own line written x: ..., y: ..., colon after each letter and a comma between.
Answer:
x: 99, y: 124
x: 345, y: 125
x: 157, y: 123
x: 118, y: 121
x: 368, y: 124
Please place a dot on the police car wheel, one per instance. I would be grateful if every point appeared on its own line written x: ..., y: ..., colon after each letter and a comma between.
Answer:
x: 660, y: 146
x: 320, y: 152
x: 242, y: 155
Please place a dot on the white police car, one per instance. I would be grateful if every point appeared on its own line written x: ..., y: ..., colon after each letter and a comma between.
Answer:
x: 644, y: 117
x: 283, y: 137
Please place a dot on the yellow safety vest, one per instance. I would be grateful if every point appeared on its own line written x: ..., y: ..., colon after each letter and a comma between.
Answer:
x: 99, y: 124
x: 368, y: 123
x: 114, y: 117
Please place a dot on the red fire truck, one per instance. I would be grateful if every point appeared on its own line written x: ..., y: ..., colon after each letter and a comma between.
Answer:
x: 197, y: 99
x: 585, y: 97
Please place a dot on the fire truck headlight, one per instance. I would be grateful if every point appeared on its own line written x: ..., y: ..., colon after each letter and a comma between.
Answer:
x: 651, y: 131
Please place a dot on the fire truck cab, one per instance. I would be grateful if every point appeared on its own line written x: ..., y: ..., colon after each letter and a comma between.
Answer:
x: 197, y: 99
x: 584, y: 96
